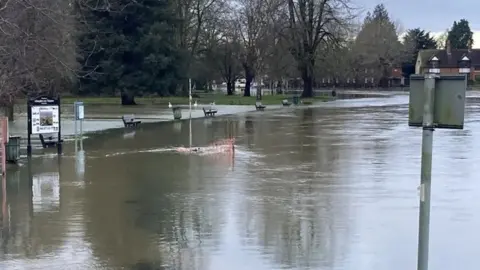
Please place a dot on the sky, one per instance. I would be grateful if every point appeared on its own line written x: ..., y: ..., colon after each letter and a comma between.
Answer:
x: 432, y: 15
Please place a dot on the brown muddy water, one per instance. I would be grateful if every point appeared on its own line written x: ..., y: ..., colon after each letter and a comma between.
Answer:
x: 333, y: 187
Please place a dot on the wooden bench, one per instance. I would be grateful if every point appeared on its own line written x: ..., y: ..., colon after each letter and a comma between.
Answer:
x: 285, y: 102
x: 49, y: 140
x: 259, y: 106
x: 208, y: 111
x: 130, y: 121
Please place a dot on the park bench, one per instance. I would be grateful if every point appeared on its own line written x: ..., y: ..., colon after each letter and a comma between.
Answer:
x: 259, y: 106
x: 285, y: 102
x: 130, y: 121
x: 208, y: 111
x: 49, y: 140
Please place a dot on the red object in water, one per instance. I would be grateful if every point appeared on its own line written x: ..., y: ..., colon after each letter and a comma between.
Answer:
x: 226, y: 145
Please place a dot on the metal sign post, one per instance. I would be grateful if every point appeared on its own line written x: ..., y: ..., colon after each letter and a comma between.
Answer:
x: 436, y: 101
x: 190, y: 106
x: 79, y: 114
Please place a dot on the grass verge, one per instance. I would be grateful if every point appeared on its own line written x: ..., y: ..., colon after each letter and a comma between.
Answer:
x: 219, y: 99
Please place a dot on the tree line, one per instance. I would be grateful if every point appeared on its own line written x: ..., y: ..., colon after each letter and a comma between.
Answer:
x: 129, y: 48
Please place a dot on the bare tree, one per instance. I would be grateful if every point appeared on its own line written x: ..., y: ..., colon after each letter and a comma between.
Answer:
x: 226, y: 56
x: 253, y: 27
x: 278, y: 62
x: 193, y: 15
x: 315, y: 23
x: 211, y: 35
x: 37, y: 52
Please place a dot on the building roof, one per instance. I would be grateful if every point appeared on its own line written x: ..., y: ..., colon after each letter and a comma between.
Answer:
x: 445, y: 60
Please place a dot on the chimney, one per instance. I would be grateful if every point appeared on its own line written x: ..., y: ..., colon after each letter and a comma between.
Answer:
x: 448, y: 48
x: 470, y: 43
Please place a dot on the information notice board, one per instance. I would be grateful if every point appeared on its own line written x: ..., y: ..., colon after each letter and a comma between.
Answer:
x: 45, y: 119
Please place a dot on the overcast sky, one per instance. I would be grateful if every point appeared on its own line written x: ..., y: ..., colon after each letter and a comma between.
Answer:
x: 431, y: 15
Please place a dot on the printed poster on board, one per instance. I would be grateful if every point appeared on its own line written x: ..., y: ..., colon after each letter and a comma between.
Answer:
x: 45, y: 119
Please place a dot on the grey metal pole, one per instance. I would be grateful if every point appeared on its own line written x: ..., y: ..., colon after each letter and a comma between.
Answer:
x: 426, y: 174
x: 75, y: 113
x: 76, y: 135
x: 190, y: 96
x: 76, y: 129
x: 190, y: 105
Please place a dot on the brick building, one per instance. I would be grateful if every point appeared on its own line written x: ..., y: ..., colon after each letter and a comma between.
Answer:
x: 450, y: 61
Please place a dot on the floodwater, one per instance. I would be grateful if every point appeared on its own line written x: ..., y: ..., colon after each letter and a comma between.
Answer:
x: 318, y: 188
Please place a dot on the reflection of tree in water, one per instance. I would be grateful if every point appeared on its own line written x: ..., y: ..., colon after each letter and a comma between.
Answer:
x: 293, y: 207
x: 157, y: 215
x: 250, y: 130
x: 190, y: 224
x: 110, y: 209
x: 306, y: 137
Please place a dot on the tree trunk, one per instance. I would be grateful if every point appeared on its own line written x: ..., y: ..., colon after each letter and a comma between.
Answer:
x: 128, y: 98
x: 307, y: 76
x: 9, y: 112
x: 279, y: 87
x: 172, y: 89
x: 185, y: 87
x: 307, y: 85
x: 229, y: 88
x: 210, y: 86
x: 248, y: 81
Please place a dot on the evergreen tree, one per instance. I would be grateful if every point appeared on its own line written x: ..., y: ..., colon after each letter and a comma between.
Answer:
x: 377, y: 45
x: 127, y: 47
x: 460, y: 35
x: 416, y: 40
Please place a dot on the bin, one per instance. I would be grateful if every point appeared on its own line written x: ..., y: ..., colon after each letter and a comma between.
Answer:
x: 12, y: 149
x: 295, y: 100
x: 177, y: 113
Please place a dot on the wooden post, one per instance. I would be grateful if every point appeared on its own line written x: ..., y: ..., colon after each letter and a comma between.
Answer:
x: 4, y: 141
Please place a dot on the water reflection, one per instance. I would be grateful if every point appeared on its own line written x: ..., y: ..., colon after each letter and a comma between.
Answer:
x: 177, y: 126
x: 321, y: 188
x: 80, y: 159
x: 129, y: 134
x: 46, y: 192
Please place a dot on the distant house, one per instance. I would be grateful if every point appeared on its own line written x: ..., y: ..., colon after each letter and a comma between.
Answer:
x: 450, y: 61
x: 363, y: 78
